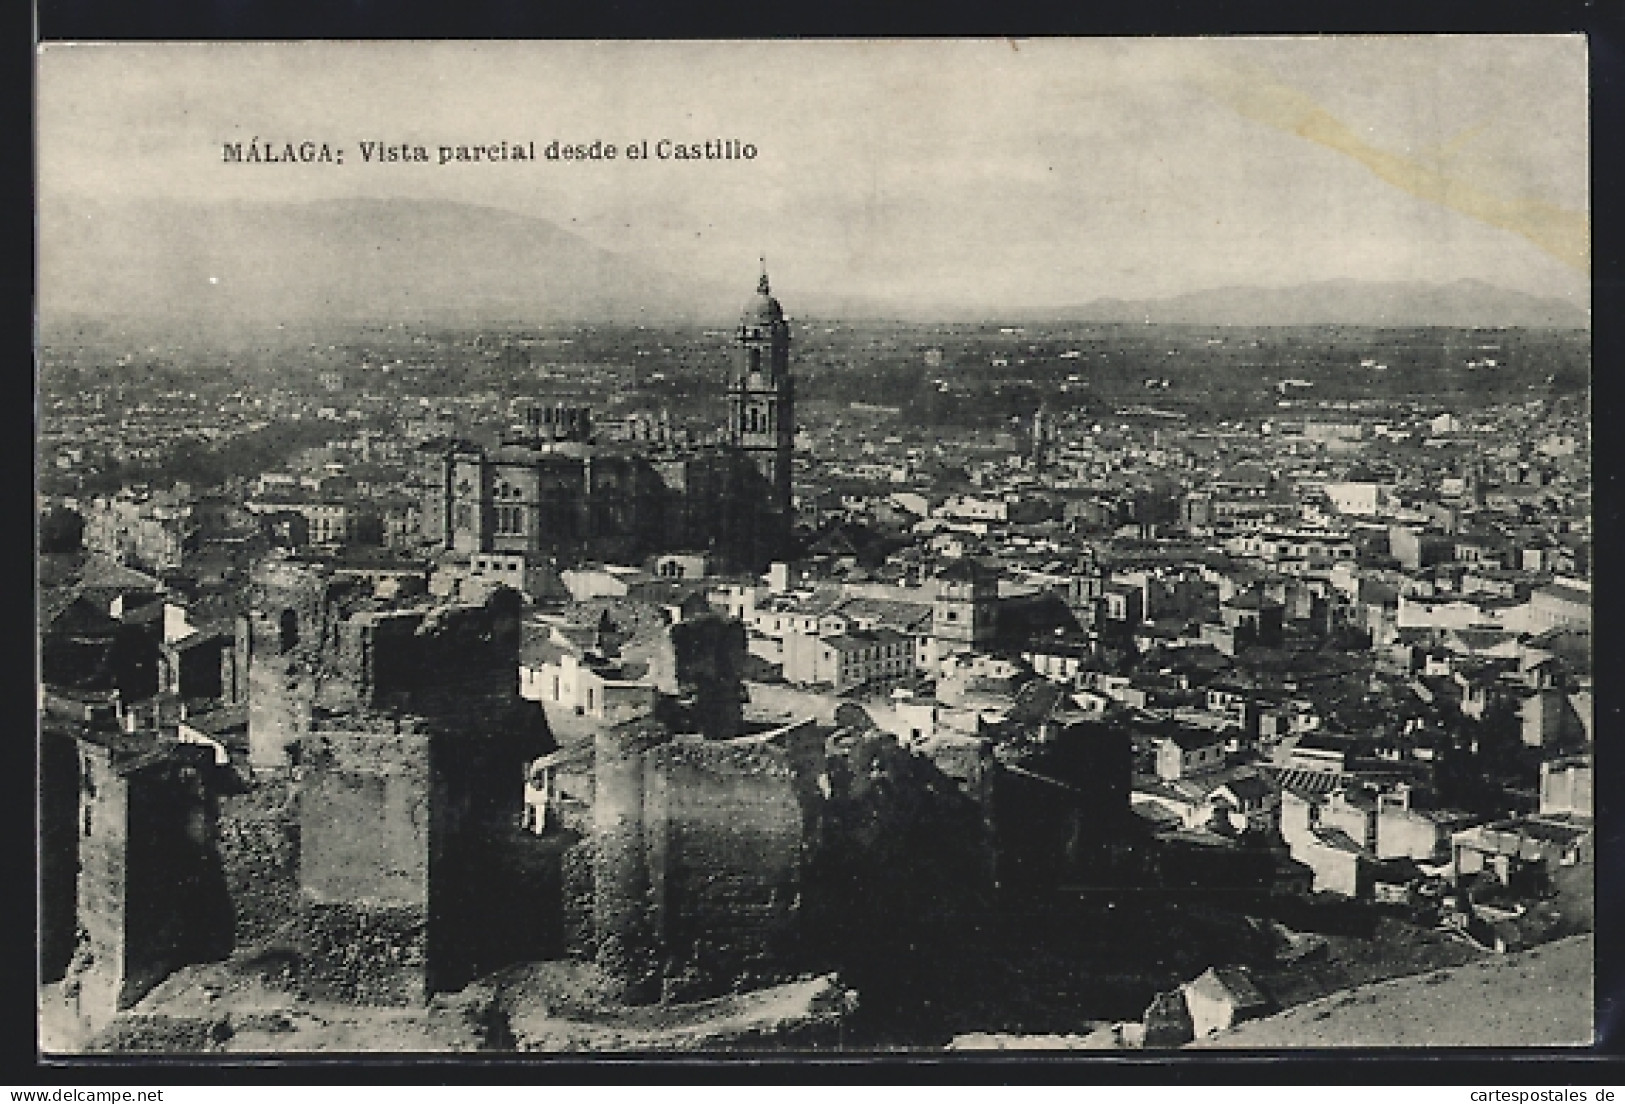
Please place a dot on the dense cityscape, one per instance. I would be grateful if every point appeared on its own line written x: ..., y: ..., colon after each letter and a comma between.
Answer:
x: 810, y: 685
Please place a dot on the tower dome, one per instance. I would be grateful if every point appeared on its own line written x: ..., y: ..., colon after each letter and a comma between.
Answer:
x: 763, y: 309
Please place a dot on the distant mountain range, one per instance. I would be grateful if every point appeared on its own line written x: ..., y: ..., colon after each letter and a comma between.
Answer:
x: 381, y: 260
x: 348, y: 260
x: 1463, y: 303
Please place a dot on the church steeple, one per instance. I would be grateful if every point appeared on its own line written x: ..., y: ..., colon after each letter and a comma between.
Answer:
x: 1041, y: 435
x: 761, y: 396
x: 764, y: 335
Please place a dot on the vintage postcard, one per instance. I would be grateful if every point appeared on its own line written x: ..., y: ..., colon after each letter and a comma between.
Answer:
x: 814, y: 546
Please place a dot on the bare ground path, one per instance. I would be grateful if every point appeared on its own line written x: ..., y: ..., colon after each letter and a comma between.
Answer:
x: 1539, y: 997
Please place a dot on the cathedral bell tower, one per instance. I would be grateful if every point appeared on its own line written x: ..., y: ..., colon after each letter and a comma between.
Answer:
x: 761, y: 395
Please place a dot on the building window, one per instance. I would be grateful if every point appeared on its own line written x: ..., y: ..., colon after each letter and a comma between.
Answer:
x: 510, y: 519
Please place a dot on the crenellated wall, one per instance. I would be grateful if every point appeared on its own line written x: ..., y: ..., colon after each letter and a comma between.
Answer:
x: 259, y: 850
x: 624, y: 926
x: 291, y: 616
x: 151, y: 896
x: 700, y: 660
x: 58, y: 849
x: 322, y: 644
x: 366, y: 838
x: 697, y: 857
x: 724, y: 838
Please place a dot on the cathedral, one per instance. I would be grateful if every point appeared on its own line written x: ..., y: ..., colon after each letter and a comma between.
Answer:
x: 555, y: 491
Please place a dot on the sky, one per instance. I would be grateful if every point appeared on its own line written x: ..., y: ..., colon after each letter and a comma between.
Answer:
x: 962, y: 174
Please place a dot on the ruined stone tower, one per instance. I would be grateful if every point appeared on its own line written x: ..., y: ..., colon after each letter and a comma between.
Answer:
x: 698, y: 856
x: 150, y: 896
x: 404, y: 728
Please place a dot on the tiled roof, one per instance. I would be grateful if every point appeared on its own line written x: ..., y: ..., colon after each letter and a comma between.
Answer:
x: 1565, y: 593
x: 854, y: 641
x: 54, y: 604
x: 1563, y: 634
x: 888, y: 613
x: 221, y: 721
x: 60, y: 568
x: 197, y: 638
x: 100, y: 571
x: 1182, y: 790
x: 1248, y: 786
x: 582, y: 636
x: 964, y: 571
x: 820, y: 601
x: 1188, y: 739
x: 1306, y: 783
x: 1338, y: 839
x: 540, y: 652
x: 1477, y: 639
x: 141, y: 615
x: 1157, y: 814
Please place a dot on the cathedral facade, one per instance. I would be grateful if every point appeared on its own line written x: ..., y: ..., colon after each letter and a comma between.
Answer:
x: 557, y: 493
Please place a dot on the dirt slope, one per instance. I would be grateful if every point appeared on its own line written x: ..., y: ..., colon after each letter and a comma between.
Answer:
x: 1541, y: 997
